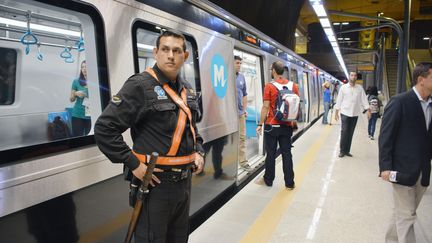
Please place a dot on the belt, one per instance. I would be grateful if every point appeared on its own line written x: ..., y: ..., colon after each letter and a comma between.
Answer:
x: 173, y: 175
x: 164, y: 160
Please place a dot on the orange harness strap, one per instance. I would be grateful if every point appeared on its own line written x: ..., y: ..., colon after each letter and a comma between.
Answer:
x: 181, y: 160
x: 183, y: 112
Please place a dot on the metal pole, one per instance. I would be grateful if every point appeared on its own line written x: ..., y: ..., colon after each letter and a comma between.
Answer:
x: 365, y: 28
x: 404, y: 46
x: 395, y: 25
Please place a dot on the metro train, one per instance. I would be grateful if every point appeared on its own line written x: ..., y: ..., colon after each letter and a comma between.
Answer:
x: 62, y: 189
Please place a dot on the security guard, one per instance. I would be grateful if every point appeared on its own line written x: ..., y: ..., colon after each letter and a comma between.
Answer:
x: 160, y: 109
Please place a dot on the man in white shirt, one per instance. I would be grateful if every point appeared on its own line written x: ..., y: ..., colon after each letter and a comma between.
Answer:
x: 351, y: 101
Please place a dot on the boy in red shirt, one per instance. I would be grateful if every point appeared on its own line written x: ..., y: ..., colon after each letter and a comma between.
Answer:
x: 276, y: 131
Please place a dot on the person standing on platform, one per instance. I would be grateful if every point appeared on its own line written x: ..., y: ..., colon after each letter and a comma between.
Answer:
x: 241, y: 107
x: 326, y: 100
x: 351, y: 101
x: 405, y: 152
x: 276, y: 131
x: 374, y: 104
x: 160, y: 108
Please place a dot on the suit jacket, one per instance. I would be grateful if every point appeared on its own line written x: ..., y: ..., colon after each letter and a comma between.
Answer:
x: 405, y: 145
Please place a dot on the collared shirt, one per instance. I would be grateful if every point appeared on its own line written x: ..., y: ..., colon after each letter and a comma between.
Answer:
x: 351, y: 100
x: 426, y: 106
x: 241, y: 92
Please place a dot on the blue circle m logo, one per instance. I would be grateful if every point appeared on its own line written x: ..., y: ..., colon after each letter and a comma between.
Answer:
x: 219, y: 76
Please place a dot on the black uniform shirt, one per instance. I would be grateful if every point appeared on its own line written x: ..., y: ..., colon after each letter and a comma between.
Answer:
x: 144, y: 107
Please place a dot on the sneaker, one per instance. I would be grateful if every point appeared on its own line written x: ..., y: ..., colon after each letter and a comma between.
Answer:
x: 246, y: 167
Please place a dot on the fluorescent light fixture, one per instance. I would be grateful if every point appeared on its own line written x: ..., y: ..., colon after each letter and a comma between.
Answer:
x: 328, y: 31
x: 325, y: 22
x: 319, y: 10
x: 23, y: 24
x: 347, y: 39
x: 336, y: 23
x: 340, y: 38
x: 144, y: 46
x: 334, y: 43
x: 345, y: 23
x: 331, y: 38
x: 426, y: 38
x: 296, y: 35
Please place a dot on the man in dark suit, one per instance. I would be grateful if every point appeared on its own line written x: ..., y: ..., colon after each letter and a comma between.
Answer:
x: 405, y: 152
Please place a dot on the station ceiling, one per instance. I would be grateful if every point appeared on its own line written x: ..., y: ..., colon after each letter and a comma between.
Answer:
x: 420, y: 9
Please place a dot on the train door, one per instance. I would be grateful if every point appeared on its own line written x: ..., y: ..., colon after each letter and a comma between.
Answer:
x: 294, y: 77
x: 251, y: 69
x: 305, y: 82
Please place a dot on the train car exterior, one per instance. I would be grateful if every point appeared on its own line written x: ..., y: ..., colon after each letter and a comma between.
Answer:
x: 54, y: 180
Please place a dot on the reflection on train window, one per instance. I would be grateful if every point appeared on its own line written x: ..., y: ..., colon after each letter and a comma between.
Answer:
x: 146, y: 41
x: 55, y: 93
x: 294, y: 75
x: 8, y: 60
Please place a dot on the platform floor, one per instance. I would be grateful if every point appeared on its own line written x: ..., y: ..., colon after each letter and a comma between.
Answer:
x: 335, y: 199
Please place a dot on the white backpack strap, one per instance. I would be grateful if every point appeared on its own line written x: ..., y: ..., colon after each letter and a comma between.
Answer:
x: 290, y: 85
x: 277, y: 85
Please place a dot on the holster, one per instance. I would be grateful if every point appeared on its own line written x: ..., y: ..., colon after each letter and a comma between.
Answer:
x: 133, y: 193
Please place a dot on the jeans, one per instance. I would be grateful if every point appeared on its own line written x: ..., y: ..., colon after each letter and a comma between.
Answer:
x: 273, y: 135
x: 372, y: 124
x: 326, y: 111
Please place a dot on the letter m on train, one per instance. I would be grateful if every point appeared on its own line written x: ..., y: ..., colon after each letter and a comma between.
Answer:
x: 218, y: 79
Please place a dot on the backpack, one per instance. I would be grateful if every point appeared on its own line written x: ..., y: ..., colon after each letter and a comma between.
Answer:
x: 374, y: 104
x: 287, y: 104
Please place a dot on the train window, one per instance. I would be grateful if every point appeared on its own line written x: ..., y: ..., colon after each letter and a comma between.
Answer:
x: 294, y: 75
x: 8, y: 60
x: 52, y: 78
x: 144, y: 38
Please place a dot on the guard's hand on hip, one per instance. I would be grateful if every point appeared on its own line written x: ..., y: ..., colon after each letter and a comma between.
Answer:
x: 199, y: 163
x: 140, y: 171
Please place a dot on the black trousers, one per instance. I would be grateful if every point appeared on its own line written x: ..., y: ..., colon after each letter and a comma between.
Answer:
x: 273, y: 135
x: 80, y: 126
x: 347, y: 132
x: 217, y: 145
x: 165, y: 213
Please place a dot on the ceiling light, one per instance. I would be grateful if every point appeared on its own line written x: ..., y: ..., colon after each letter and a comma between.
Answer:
x: 426, y: 38
x: 331, y: 38
x: 23, y: 24
x: 144, y: 46
x: 345, y: 23
x: 336, y: 23
x: 325, y: 22
x: 319, y: 10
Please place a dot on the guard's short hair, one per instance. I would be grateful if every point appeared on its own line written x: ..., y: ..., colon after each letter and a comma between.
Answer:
x: 172, y: 33
x: 278, y: 66
x: 237, y: 58
x: 421, y: 70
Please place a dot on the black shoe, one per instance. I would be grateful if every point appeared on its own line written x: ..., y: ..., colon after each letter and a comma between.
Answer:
x: 349, y: 155
x: 341, y: 154
x: 290, y: 188
x: 268, y: 183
